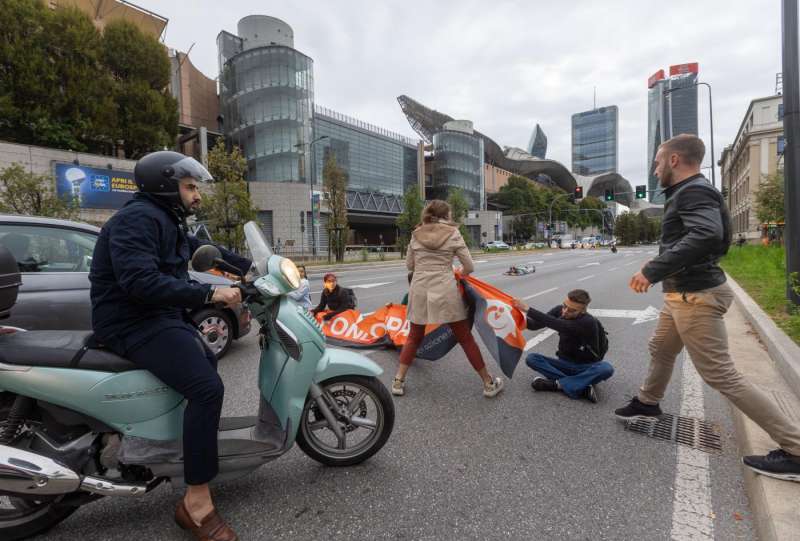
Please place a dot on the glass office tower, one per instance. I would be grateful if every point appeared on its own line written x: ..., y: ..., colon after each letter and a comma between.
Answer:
x: 595, y: 136
x: 458, y: 163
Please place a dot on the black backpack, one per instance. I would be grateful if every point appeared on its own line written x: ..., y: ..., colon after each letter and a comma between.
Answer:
x: 352, y: 296
x: 602, y: 342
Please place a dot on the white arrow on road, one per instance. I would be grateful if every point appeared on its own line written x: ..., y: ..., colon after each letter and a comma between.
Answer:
x: 370, y: 286
x: 639, y: 316
x: 588, y: 265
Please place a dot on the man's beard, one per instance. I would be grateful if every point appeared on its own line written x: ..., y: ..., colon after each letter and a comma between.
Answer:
x: 666, y: 177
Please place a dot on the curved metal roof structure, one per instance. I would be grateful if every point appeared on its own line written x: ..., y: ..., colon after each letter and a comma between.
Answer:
x: 598, y: 184
x: 426, y: 122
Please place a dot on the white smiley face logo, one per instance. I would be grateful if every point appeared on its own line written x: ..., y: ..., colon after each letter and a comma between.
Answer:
x: 499, y: 318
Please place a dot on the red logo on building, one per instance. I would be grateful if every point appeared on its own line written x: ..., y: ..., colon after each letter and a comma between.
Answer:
x: 683, y: 69
x: 657, y: 76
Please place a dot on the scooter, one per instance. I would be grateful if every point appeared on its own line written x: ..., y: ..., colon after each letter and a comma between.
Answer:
x: 78, y: 423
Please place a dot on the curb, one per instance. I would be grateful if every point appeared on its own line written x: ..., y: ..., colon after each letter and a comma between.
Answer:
x: 781, y: 348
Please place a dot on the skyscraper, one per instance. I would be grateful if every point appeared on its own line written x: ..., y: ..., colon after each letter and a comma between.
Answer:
x: 537, y: 146
x: 595, y: 137
x: 672, y: 110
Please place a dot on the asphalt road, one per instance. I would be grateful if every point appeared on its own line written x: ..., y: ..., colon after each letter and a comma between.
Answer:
x: 459, y: 466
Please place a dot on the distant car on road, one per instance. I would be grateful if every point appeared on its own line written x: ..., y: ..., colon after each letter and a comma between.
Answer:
x: 54, y: 257
x: 497, y: 245
x: 535, y: 245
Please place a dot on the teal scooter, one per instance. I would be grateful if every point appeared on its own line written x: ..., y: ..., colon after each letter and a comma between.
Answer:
x: 78, y: 423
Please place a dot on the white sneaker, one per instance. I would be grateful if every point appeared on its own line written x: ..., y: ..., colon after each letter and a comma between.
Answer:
x: 494, y: 388
x: 398, y: 387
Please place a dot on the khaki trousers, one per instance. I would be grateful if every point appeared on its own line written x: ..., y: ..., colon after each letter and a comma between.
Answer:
x: 695, y: 320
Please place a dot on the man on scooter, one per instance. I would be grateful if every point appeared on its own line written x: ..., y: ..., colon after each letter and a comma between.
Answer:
x: 141, y: 292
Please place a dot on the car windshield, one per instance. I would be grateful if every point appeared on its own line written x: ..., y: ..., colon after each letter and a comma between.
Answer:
x: 258, y: 246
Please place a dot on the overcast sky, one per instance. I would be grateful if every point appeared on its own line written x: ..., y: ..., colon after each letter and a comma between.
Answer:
x: 507, y: 65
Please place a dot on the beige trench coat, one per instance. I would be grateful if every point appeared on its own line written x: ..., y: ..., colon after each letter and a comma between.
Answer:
x: 434, y: 295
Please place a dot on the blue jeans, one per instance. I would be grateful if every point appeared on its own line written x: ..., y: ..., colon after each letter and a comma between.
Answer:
x: 573, y: 378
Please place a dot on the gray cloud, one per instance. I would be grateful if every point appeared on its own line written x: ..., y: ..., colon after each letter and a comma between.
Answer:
x: 507, y: 65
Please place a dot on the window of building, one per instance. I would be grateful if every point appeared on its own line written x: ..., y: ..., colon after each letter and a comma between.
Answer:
x: 781, y: 145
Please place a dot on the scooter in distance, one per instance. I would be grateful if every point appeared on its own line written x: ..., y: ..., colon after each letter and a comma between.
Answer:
x: 78, y: 423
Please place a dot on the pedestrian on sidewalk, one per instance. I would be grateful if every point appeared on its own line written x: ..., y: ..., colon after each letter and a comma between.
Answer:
x: 578, y: 366
x: 695, y: 233
x: 434, y: 297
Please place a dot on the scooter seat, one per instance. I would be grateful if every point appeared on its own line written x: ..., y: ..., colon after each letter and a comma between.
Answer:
x: 59, y: 349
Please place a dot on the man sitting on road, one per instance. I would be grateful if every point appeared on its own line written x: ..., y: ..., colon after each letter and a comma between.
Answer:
x: 334, y: 298
x: 579, y: 365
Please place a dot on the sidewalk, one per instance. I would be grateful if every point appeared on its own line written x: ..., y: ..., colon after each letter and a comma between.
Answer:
x: 775, y: 504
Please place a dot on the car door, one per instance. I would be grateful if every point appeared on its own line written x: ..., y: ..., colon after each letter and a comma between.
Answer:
x: 54, y: 262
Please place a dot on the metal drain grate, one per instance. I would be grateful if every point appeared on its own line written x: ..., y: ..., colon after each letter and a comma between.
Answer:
x: 688, y: 431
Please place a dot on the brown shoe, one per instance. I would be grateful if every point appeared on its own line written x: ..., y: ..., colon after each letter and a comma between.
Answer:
x: 212, y: 527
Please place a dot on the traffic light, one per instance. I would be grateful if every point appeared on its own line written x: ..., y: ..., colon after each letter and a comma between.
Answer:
x: 641, y: 192
x: 578, y: 192
x: 609, y: 195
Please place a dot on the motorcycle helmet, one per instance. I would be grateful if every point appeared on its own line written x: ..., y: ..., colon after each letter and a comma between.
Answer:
x: 159, y: 173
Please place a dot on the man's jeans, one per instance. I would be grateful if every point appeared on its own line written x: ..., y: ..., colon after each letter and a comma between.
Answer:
x: 695, y: 321
x: 573, y: 378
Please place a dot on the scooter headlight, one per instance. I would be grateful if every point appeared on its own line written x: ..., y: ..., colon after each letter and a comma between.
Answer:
x: 290, y: 273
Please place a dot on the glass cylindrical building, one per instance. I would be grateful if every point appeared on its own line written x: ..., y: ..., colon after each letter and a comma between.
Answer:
x: 458, y: 163
x: 267, y: 97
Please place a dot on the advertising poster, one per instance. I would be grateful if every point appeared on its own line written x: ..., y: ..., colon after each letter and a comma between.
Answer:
x: 93, y: 187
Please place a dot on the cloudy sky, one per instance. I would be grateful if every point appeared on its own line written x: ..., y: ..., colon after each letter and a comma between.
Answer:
x: 507, y: 65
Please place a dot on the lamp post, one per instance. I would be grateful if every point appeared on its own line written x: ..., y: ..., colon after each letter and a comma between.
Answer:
x: 312, y: 223
x: 710, y: 120
x: 550, y: 213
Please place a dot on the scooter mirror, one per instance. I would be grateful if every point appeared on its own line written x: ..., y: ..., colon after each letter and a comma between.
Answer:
x: 204, y: 258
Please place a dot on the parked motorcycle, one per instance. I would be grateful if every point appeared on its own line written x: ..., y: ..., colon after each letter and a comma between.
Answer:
x: 78, y: 423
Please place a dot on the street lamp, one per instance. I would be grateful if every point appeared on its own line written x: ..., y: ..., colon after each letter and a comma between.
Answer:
x: 711, y: 121
x: 550, y: 213
x: 312, y: 178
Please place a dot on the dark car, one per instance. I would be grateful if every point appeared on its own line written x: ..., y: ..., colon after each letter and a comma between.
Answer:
x: 54, y: 257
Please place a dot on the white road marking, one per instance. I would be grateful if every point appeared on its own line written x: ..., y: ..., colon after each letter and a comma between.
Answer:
x: 539, y: 293
x: 629, y: 264
x: 588, y: 265
x: 585, y: 278
x: 481, y: 261
x: 547, y: 255
x: 541, y: 337
x: 613, y: 269
x: 692, y: 510
x: 370, y: 286
x: 639, y: 316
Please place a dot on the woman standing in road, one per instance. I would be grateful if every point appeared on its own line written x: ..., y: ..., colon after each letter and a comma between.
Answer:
x: 434, y: 297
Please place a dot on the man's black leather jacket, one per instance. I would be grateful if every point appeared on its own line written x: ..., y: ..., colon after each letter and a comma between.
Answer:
x: 695, y: 233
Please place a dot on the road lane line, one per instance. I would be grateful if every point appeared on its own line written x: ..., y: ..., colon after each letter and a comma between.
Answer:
x: 692, y: 509
x: 539, y: 293
x: 612, y: 269
x: 585, y: 278
x: 629, y: 264
x: 541, y: 337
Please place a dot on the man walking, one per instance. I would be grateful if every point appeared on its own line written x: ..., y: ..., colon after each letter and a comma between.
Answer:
x: 579, y: 363
x: 695, y: 233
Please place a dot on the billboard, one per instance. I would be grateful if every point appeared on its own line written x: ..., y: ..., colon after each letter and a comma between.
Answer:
x: 683, y: 69
x: 657, y: 76
x: 93, y: 187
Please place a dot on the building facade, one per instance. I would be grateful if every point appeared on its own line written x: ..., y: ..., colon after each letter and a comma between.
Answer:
x: 756, y: 153
x: 537, y: 145
x: 458, y: 163
x: 595, y: 141
x: 671, y: 110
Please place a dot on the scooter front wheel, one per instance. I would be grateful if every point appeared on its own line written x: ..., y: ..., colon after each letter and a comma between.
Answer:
x: 364, y: 416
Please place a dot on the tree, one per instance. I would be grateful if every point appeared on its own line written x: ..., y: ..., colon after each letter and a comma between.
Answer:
x: 770, y: 198
x: 29, y: 194
x: 458, y: 211
x: 626, y: 228
x: 147, y: 113
x: 409, y: 218
x: 228, y: 207
x: 334, y: 185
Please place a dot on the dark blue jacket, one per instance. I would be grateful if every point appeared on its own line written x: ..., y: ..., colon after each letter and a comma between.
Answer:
x: 140, y: 274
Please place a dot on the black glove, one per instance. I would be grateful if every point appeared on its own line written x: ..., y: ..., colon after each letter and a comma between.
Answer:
x: 329, y: 316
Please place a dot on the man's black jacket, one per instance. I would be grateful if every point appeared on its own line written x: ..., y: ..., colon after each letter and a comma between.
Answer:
x: 573, y: 334
x: 140, y: 274
x: 337, y: 301
x: 695, y: 233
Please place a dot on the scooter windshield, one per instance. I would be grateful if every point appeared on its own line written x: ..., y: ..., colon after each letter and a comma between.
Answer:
x: 258, y: 245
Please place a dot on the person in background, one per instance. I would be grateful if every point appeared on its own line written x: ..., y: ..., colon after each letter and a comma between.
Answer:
x: 334, y: 298
x: 434, y: 297
x: 302, y: 295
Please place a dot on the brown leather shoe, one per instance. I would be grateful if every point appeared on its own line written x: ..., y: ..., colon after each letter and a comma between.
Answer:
x: 212, y: 527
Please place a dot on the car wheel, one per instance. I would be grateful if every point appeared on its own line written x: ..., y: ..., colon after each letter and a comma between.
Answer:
x: 217, y: 330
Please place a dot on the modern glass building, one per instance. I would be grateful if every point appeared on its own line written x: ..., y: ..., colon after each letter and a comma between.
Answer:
x: 537, y: 145
x: 458, y: 163
x: 595, y: 136
x: 266, y: 98
x: 375, y: 160
x: 671, y: 110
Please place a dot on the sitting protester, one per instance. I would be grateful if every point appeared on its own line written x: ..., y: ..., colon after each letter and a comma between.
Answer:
x: 302, y: 295
x: 334, y: 298
x: 579, y: 363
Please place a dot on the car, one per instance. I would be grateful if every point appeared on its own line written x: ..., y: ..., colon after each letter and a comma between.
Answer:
x: 54, y: 257
x: 497, y: 245
x: 535, y: 245
x: 588, y: 242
